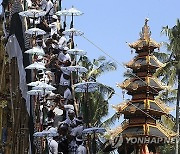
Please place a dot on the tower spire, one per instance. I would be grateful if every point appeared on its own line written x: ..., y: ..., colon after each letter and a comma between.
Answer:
x: 145, y: 33
x: 145, y: 39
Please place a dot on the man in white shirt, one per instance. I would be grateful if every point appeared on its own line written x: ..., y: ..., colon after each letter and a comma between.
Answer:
x: 65, y: 109
x: 63, y: 56
x: 81, y: 148
x: 52, y: 144
x: 64, y: 60
x: 77, y: 131
x: 54, y: 25
x: 62, y: 41
x: 40, y: 42
x: 47, y: 78
x: 65, y: 79
x: 49, y: 11
x: 68, y: 99
x: 71, y: 120
x: 29, y: 4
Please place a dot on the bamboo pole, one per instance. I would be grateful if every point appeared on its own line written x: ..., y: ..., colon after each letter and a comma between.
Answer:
x: 2, y: 72
x: 18, y: 119
x: 15, y: 103
x: 3, y: 103
x: 12, y: 103
x: 1, y: 113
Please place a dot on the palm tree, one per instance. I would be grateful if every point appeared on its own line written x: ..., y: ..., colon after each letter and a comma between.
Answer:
x: 98, y: 101
x: 171, y: 71
x: 95, y: 106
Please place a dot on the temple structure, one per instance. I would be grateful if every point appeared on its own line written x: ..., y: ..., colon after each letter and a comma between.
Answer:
x: 142, y: 130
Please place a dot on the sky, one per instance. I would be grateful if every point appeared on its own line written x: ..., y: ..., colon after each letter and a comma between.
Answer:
x: 110, y: 24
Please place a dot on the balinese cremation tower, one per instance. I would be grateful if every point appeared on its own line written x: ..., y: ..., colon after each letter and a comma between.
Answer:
x: 141, y: 130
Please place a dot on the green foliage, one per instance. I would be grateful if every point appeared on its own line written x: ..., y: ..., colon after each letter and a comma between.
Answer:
x: 168, y: 122
x: 170, y: 73
x: 167, y: 149
x: 174, y: 41
x: 110, y: 121
x: 85, y: 62
x: 129, y: 74
x: 97, y: 101
x: 163, y: 57
x: 171, y: 58
x: 168, y: 96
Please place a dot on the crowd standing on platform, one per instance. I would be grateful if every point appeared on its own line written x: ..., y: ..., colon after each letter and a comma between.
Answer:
x: 57, y: 111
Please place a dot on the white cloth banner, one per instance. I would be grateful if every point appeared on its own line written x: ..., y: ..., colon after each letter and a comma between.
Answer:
x: 13, y: 49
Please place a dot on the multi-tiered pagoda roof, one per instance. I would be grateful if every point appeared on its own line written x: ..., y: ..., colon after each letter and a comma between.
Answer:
x: 143, y: 112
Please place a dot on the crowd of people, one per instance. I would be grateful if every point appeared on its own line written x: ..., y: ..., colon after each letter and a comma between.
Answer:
x: 56, y: 112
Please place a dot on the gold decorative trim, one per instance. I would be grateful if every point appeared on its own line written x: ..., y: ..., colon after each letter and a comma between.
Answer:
x: 120, y: 107
x: 145, y: 39
x: 166, y: 131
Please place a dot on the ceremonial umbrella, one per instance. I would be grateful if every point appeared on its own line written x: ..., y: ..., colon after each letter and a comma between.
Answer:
x: 72, y: 32
x: 76, y: 52
x: 36, y: 83
x: 77, y: 68
x: 35, y: 50
x: 35, y: 31
x: 44, y: 86
x: 32, y: 13
x: 73, y: 12
x: 45, y: 133
x: 38, y: 92
x: 93, y: 131
x: 36, y: 65
x: 61, y: 13
x: 86, y: 87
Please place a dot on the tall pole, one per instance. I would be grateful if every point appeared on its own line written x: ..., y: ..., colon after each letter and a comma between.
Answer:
x: 31, y: 127
x: 177, y: 113
x: 71, y: 26
x: 24, y: 5
x: 60, y: 8
x: 94, y: 143
x: 60, y: 5
x: 87, y: 107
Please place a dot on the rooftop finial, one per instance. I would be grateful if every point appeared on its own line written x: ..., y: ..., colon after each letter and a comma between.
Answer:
x: 145, y: 33
x: 146, y: 20
x: 145, y: 39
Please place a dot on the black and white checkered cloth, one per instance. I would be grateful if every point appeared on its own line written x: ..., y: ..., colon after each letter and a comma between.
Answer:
x: 72, y: 148
x: 48, y: 19
x: 16, y: 8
